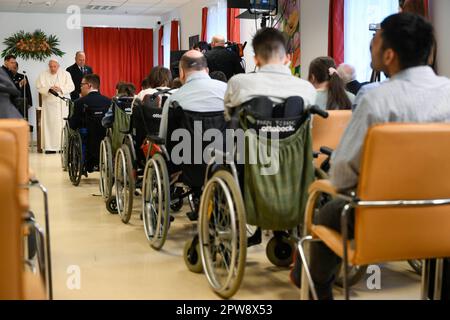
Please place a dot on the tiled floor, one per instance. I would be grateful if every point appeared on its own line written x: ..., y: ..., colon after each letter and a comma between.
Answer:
x: 115, y: 261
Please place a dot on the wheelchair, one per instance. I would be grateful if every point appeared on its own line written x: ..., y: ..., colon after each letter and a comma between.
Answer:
x: 121, y: 107
x: 65, y: 137
x: 132, y: 156
x: 166, y: 183
x: 83, y: 144
x: 242, y: 190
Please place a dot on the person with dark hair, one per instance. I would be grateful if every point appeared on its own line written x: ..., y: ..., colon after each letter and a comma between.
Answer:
x: 221, y: 59
x: 123, y: 89
x: 91, y: 102
x: 201, y: 46
x: 273, y: 79
x: 176, y: 83
x: 159, y: 79
x: 8, y: 92
x: 77, y: 71
x: 8, y: 63
x: 199, y: 92
x: 414, y: 94
x: 219, y: 75
x: 20, y: 80
x: 145, y: 84
x: 331, y: 93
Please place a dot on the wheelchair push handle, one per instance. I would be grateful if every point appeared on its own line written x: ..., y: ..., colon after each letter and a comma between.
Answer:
x: 326, y: 151
x: 318, y: 111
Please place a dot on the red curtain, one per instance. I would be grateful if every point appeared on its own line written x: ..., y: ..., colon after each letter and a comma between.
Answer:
x: 204, y: 35
x: 174, y: 37
x: 417, y: 6
x: 336, y: 31
x: 119, y: 55
x: 233, y: 25
x: 161, y: 46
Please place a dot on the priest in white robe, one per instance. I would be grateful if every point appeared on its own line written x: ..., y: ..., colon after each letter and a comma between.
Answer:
x: 54, y: 110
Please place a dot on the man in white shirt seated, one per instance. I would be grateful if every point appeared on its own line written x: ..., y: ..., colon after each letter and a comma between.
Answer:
x: 274, y: 78
x: 414, y: 94
x: 199, y: 92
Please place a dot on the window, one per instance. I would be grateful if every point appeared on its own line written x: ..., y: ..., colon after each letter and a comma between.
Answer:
x: 166, y: 44
x: 217, y: 19
x: 358, y: 15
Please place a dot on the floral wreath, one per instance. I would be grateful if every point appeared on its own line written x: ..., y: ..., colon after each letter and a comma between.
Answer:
x: 34, y: 46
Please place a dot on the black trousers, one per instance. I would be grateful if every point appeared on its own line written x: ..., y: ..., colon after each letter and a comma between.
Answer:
x: 324, y: 263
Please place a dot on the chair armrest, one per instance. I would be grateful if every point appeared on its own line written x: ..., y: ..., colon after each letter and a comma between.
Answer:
x: 315, y: 190
x: 323, y: 186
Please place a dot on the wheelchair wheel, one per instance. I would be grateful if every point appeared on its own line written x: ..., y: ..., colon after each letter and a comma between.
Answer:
x: 111, y: 205
x: 191, y: 255
x: 75, y: 161
x: 106, y: 169
x: 280, y: 251
x: 416, y: 265
x: 222, y: 234
x: 64, y: 147
x: 155, y: 201
x: 355, y: 274
x: 124, y: 183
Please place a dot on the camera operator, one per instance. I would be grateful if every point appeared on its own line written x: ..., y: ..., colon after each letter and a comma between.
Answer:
x: 222, y: 59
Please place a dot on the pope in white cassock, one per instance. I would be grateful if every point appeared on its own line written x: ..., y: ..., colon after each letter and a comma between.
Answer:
x: 54, y: 110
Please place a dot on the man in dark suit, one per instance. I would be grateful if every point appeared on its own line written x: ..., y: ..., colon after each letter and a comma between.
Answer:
x: 222, y: 59
x: 88, y: 113
x: 77, y: 71
x: 348, y: 74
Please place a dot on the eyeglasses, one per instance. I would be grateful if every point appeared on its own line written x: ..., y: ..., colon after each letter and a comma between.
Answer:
x: 84, y: 83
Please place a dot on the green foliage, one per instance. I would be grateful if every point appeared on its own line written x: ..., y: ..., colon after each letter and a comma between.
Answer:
x: 34, y: 46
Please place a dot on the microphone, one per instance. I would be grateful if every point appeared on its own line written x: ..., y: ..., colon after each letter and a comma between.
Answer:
x: 54, y: 93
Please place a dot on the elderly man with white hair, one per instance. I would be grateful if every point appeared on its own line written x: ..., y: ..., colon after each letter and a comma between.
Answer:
x: 54, y: 110
x: 221, y: 59
x: 348, y: 74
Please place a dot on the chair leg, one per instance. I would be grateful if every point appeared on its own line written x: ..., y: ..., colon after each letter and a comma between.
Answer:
x: 344, y: 230
x: 438, y: 279
x: 346, y: 286
x: 425, y: 280
x: 307, y: 281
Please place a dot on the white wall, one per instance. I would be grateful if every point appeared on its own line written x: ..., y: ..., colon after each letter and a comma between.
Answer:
x: 190, y: 17
x: 314, y: 31
x: 71, y: 40
x: 440, y: 10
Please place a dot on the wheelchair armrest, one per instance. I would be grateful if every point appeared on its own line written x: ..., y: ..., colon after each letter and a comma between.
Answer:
x: 326, y: 151
x: 323, y: 186
x: 157, y: 140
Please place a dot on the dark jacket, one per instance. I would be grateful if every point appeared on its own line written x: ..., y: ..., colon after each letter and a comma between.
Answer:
x: 88, y: 114
x: 91, y: 101
x: 221, y: 59
x: 77, y: 76
x: 354, y: 87
x: 26, y: 89
x: 8, y: 91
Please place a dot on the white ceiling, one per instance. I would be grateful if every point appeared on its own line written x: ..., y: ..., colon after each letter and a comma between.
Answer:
x: 131, y: 7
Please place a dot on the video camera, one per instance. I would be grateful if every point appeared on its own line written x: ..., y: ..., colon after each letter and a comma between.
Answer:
x: 374, y: 27
x: 237, y: 48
